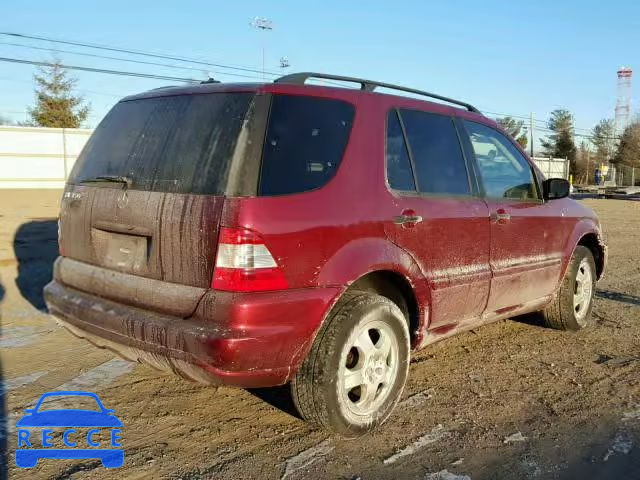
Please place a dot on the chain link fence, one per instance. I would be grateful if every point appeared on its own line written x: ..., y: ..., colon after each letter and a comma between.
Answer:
x: 626, y: 176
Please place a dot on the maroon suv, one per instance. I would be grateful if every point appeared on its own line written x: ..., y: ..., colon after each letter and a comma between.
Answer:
x: 259, y: 234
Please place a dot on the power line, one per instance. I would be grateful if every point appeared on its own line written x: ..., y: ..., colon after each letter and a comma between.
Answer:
x: 527, y: 120
x: 82, y: 90
x: 542, y: 125
x: 149, y: 54
x: 99, y: 70
x: 137, y: 52
x: 180, y: 59
x: 130, y: 60
x: 581, y: 135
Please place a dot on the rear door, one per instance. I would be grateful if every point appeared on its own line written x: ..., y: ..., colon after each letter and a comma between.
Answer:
x: 527, y: 236
x: 438, y: 219
x: 146, y: 194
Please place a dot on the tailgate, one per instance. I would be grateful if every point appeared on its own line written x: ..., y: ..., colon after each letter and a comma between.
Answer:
x: 164, y: 236
x: 146, y: 194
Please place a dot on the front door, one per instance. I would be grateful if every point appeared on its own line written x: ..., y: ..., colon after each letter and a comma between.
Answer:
x: 435, y: 215
x: 526, y: 243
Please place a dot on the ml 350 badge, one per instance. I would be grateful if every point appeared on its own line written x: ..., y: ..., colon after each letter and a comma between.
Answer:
x: 31, y: 448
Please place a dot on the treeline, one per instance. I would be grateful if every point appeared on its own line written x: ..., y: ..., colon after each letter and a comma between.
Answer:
x: 599, y: 147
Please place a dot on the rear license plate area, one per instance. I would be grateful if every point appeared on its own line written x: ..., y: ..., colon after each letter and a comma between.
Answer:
x: 118, y: 251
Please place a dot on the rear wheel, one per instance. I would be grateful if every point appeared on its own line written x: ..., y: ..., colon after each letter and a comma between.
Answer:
x: 572, y: 304
x: 357, y: 367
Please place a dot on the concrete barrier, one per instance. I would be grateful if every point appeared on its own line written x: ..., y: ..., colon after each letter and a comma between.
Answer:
x: 36, y: 157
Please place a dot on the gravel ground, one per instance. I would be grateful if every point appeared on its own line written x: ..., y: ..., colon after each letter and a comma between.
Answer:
x: 511, y: 400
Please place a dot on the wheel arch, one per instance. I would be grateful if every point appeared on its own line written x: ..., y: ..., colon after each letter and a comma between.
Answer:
x: 586, y: 233
x: 379, y: 266
x: 593, y: 242
x: 397, y: 288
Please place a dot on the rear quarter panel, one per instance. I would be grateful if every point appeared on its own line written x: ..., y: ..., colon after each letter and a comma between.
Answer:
x: 333, y: 235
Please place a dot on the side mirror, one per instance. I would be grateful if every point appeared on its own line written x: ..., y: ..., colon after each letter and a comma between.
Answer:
x: 554, y: 188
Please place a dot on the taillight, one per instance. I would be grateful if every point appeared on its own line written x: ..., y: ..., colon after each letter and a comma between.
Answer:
x: 245, y: 264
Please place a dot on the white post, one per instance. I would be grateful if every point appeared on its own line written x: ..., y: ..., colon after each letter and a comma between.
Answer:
x: 64, y: 154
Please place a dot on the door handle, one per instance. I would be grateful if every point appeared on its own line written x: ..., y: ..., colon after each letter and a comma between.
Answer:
x: 407, y: 219
x: 500, y: 216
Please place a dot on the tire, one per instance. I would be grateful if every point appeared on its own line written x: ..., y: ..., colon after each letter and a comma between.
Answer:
x: 355, y: 372
x: 563, y: 313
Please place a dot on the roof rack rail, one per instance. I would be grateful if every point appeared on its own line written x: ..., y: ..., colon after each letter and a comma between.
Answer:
x: 368, y: 86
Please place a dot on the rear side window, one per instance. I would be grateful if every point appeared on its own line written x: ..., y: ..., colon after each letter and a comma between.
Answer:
x: 436, y: 153
x: 305, y: 141
x: 175, y: 144
x: 399, y: 173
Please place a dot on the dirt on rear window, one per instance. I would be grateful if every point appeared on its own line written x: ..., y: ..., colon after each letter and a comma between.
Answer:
x: 173, y: 144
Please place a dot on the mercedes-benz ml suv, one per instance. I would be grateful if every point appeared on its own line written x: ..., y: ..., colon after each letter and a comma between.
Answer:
x: 262, y: 234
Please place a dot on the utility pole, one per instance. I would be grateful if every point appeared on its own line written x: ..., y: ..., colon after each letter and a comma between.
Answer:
x: 588, y: 166
x: 263, y: 24
x: 531, y: 130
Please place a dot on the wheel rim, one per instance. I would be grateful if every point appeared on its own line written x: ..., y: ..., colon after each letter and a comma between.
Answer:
x: 368, y: 367
x: 583, y: 290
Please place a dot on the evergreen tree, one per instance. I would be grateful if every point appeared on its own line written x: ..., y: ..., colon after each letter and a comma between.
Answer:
x: 560, y: 143
x: 56, y: 105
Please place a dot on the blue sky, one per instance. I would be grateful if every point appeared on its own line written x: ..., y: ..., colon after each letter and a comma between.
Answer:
x: 505, y: 57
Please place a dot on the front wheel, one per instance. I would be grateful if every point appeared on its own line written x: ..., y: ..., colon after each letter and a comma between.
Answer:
x: 357, y: 367
x: 572, y: 304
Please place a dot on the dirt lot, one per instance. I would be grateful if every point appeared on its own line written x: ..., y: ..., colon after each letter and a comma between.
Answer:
x: 509, y: 401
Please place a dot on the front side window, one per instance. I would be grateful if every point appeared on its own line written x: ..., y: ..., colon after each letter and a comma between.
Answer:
x: 436, y: 153
x: 504, y: 171
x: 305, y: 141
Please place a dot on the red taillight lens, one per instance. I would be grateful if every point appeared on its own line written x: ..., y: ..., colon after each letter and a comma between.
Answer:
x: 245, y: 264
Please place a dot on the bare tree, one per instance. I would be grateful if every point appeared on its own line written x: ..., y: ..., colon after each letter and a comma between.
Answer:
x: 604, y: 141
x: 516, y: 129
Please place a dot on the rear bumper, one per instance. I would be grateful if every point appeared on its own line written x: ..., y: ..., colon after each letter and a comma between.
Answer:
x: 246, y: 340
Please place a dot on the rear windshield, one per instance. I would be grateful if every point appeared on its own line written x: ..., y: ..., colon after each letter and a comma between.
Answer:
x: 174, y: 144
x: 304, y: 143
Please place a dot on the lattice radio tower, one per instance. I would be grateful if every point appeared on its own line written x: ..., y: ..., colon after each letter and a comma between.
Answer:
x: 623, y: 102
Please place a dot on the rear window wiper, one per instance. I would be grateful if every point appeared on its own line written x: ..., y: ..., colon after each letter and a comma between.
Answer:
x: 109, y: 178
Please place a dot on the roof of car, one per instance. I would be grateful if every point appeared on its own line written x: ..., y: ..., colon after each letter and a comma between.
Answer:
x: 192, y: 89
x: 328, y: 89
